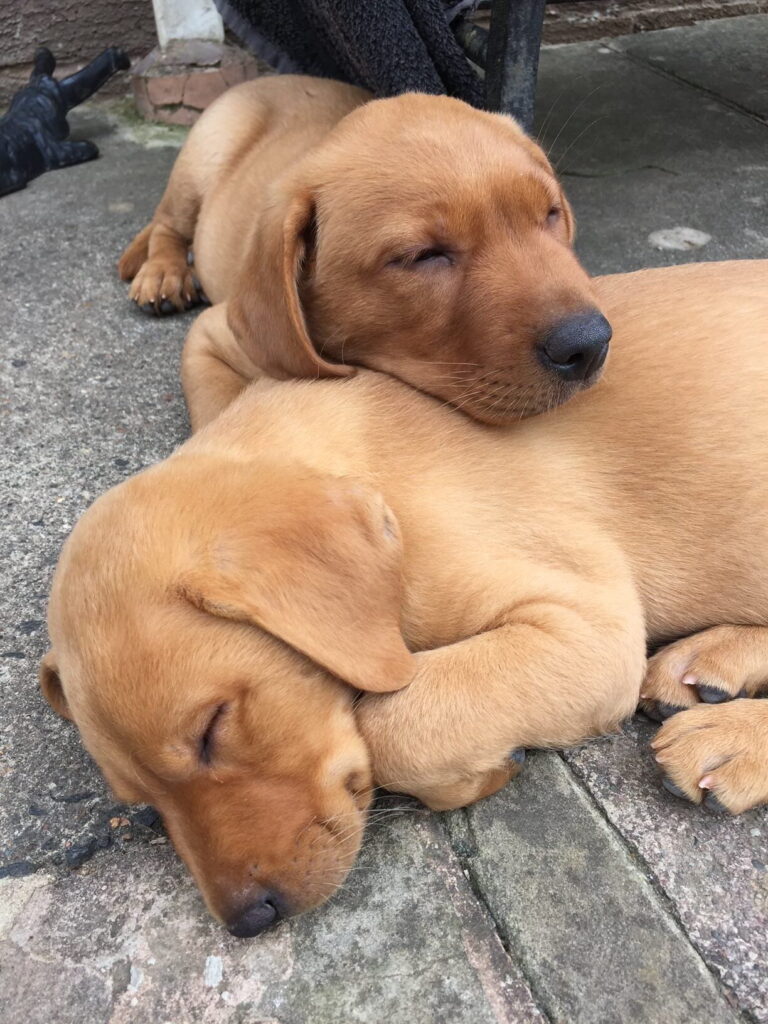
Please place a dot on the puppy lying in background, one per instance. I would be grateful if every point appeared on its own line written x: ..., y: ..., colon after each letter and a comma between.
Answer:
x: 214, y: 619
x: 414, y: 235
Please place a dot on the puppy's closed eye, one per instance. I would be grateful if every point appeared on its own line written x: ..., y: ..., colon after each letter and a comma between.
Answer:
x: 422, y: 258
x: 206, y: 743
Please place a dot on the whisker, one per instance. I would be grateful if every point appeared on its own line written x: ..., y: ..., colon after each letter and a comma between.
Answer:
x: 592, y: 124
x: 335, y: 336
x: 567, y: 88
x: 443, y: 362
x: 578, y: 106
x: 465, y: 396
x: 471, y: 395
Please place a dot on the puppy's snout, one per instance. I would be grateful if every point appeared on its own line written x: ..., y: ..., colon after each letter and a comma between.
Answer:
x: 576, y: 348
x: 258, y: 915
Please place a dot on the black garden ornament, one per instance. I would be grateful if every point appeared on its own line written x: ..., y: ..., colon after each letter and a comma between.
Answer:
x: 34, y: 134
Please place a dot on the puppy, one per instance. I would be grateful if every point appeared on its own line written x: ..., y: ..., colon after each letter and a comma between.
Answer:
x: 413, y: 235
x: 214, y: 618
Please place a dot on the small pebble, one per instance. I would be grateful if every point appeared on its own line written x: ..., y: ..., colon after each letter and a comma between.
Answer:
x: 137, y: 977
x: 213, y: 971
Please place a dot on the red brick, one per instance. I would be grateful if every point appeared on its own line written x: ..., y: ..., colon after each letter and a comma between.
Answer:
x: 233, y: 74
x: 203, y: 87
x: 179, y: 115
x: 164, y: 90
x: 141, y: 98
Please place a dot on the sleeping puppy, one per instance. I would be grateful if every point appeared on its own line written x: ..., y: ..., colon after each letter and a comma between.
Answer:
x: 214, y: 619
x: 413, y: 235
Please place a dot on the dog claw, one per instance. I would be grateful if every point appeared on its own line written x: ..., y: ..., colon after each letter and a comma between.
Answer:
x: 518, y: 756
x: 651, y: 712
x: 667, y: 710
x: 674, y: 789
x: 148, y: 307
x: 713, y: 694
x: 713, y: 805
x: 166, y: 307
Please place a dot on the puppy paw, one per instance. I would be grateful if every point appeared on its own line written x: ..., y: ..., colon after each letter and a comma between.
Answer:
x: 414, y: 752
x: 711, y: 667
x: 460, y: 790
x: 161, y: 288
x: 717, y: 755
x: 448, y: 789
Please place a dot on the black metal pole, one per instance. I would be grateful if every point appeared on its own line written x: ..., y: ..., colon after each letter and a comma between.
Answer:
x: 512, y: 60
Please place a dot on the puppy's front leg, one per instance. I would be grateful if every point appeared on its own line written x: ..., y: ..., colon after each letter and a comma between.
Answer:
x: 548, y: 675
x: 214, y: 368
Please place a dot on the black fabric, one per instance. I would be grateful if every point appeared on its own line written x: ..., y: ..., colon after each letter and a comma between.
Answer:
x: 387, y: 46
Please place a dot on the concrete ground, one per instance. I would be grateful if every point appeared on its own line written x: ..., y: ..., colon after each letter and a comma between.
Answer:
x: 584, y: 893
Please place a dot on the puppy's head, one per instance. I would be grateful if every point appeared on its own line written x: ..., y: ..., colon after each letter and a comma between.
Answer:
x: 431, y: 241
x: 209, y: 646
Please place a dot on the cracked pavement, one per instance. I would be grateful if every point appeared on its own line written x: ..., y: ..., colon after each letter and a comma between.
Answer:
x: 583, y: 893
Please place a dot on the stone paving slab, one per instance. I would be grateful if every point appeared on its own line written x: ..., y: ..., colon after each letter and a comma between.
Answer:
x: 98, y: 921
x: 727, y: 57
x: 125, y: 940
x: 597, y: 942
x: 713, y: 870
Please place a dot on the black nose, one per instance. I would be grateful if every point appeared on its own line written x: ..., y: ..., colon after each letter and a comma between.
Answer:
x: 256, y: 917
x: 576, y: 348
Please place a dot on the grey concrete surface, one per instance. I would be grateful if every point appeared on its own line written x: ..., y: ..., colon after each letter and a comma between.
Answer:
x: 639, y: 152
x: 583, y: 893
x: 712, y: 870
x: 124, y: 939
x: 726, y: 58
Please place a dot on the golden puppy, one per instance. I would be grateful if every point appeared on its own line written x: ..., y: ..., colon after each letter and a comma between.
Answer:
x: 213, y: 619
x: 413, y: 235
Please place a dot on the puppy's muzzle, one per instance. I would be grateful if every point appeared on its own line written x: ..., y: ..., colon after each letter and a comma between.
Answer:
x: 575, y: 349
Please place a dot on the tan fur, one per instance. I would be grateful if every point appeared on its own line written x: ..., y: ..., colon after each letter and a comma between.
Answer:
x: 526, y: 568
x: 306, y: 206
x: 733, y: 659
x: 719, y: 748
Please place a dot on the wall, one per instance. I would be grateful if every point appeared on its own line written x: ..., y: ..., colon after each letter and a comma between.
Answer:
x: 75, y: 31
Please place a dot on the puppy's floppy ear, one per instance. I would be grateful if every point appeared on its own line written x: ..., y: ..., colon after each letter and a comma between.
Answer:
x: 318, y: 565
x: 50, y: 684
x: 265, y: 312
